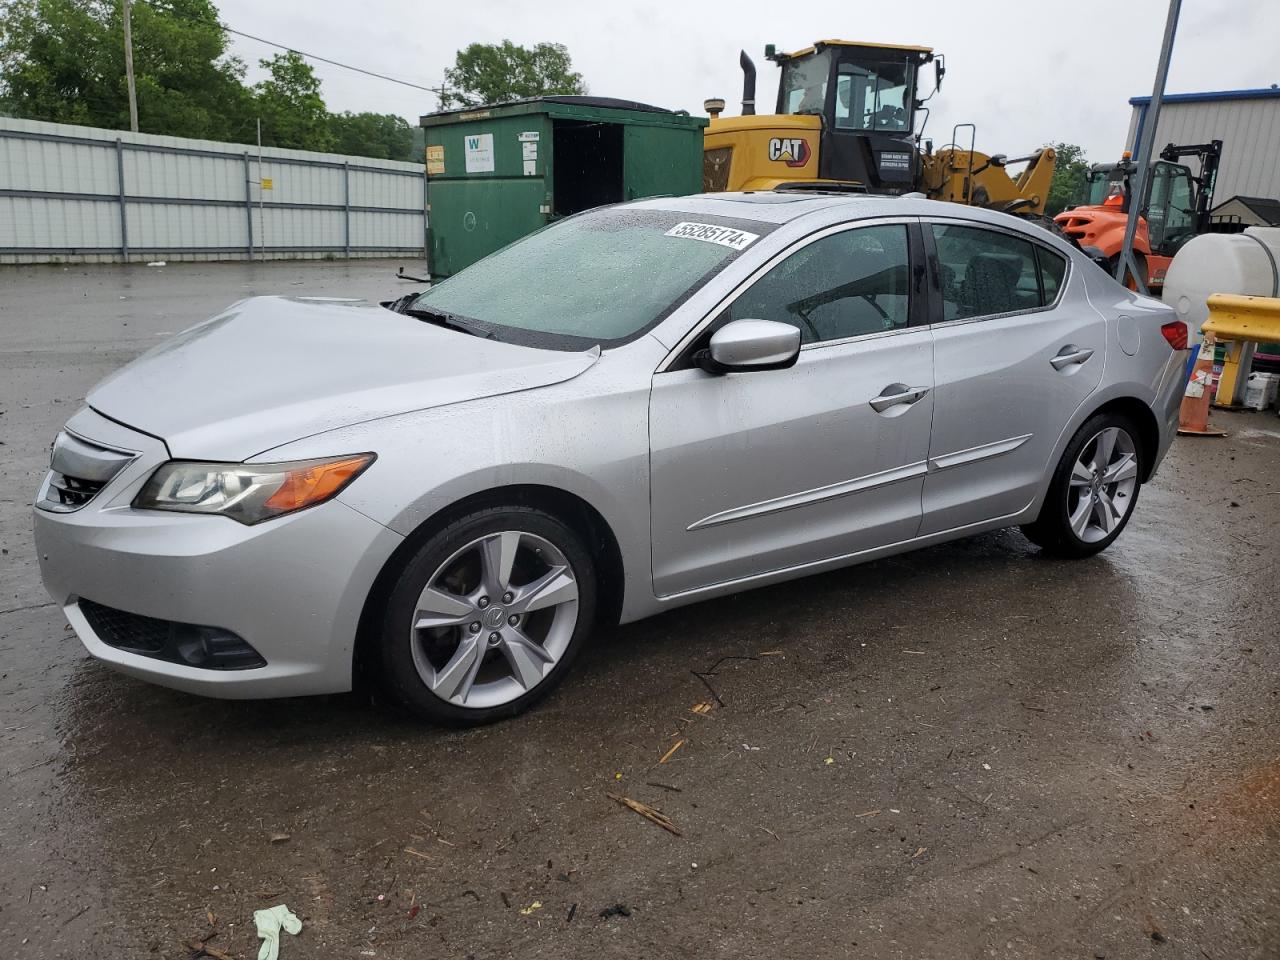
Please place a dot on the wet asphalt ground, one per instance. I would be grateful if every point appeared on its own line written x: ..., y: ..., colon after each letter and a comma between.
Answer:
x: 971, y: 751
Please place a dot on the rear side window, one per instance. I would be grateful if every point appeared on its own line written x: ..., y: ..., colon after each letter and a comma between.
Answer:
x: 844, y: 285
x: 984, y: 272
x: 1053, y: 267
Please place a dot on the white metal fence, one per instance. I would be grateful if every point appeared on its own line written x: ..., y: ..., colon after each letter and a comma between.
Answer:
x: 83, y: 194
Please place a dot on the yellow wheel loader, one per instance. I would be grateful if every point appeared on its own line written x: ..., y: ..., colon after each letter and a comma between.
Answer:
x: 848, y: 118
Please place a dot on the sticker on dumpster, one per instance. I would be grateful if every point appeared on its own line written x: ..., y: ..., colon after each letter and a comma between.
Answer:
x: 529, y: 150
x: 710, y: 233
x: 478, y: 148
x: 435, y: 160
x: 531, y: 168
x: 529, y: 136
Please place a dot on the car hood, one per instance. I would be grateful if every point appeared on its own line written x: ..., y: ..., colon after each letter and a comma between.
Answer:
x: 270, y: 370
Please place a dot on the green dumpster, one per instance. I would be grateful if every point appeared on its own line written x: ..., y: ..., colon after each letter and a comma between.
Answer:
x: 497, y: 173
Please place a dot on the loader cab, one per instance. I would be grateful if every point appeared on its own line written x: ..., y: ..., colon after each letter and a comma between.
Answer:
x: 867, y: 97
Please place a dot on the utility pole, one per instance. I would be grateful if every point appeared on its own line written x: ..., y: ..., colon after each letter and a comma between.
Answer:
x: 128, y: 67
x: 1127, y: 262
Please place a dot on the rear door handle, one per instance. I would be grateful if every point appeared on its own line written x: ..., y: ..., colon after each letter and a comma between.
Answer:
x: 895, y: 394
x: 1070, y: 354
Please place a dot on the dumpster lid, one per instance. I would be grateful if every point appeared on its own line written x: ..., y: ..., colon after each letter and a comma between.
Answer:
x: 608, y: 103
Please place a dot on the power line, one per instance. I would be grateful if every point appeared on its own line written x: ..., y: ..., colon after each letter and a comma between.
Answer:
x: 345, y: 66
x: 281, y: 46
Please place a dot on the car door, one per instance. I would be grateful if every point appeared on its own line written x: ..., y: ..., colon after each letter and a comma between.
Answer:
x: 763, y: 471
x: 1017, y: 349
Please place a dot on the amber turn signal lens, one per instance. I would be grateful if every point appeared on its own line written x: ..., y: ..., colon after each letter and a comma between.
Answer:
x: 314, y: 484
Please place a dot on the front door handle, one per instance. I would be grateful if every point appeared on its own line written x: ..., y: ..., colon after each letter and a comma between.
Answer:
x: 1070, y: 354
x: 896, y: 393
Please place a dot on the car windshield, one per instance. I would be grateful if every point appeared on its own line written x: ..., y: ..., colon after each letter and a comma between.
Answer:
x: 602, y: 277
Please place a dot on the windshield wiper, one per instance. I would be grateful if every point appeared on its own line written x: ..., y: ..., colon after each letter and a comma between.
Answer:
x: 448, y: 320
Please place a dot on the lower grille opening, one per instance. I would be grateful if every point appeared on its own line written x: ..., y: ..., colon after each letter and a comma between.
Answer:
x: 192, y: 645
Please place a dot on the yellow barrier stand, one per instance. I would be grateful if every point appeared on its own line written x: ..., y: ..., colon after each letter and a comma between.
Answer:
x: 1238, y: 321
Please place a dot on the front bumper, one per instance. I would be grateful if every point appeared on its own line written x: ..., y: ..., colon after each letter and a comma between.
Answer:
x: 292, y: 587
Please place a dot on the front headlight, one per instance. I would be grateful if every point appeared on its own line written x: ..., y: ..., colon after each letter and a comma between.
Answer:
x: 248, y: 492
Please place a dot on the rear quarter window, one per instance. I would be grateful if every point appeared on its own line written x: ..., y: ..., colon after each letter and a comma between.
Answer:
x: 984, y: 272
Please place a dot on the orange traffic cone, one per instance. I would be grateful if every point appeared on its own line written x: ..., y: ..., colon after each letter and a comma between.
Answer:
x: 1193, y: 418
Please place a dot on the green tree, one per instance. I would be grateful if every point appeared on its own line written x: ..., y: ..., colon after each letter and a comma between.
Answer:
x: 1068, y: 177
x: 63, y: 60
x: 289, y: 103
x: 382, y: 135
x: 497, y: 73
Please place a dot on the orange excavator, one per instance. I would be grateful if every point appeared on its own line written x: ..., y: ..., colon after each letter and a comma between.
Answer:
x: 1175, y: 209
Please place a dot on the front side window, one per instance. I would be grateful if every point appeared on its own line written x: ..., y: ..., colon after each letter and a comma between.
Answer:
x: 601, y: 277
x: 984, y: 272
x: 803, y: 87
x: 844, y: 285
x: 873, y: 96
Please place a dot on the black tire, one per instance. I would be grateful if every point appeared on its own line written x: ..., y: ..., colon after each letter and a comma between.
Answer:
x: 400, y: 676
x: 1114, y: 261
x: 1051, y: 530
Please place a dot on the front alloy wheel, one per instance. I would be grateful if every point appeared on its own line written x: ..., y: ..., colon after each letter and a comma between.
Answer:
x: 488, y: 615
x: 494, y: 619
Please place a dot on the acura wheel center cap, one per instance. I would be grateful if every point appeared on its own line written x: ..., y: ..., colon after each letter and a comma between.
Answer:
x: 495, y: 616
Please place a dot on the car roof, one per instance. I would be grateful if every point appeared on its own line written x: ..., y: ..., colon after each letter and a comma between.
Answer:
x: 786, y: 206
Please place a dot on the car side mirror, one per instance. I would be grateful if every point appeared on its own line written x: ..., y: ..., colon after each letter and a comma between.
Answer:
x: 745, y: 345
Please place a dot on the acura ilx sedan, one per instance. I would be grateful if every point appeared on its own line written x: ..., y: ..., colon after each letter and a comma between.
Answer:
x: 633, y: 409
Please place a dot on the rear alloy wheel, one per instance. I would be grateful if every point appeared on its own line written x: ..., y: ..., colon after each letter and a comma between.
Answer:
x: 1093, y: 491
x: 488, y: 616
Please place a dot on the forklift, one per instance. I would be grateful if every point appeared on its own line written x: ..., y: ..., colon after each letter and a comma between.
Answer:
x: 1175, y: 208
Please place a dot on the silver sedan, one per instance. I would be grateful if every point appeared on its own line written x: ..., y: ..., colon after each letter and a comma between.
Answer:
x: 633, y: 409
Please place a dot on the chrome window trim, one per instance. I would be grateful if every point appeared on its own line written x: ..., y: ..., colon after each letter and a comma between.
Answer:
x: 728, y: 299
x: 926, y: 222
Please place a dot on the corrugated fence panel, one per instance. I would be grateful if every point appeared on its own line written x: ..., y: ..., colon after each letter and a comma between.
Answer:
x: 27, y: 222
x: 385, y: 229
x: 157, y: 228
x: 64, y: 189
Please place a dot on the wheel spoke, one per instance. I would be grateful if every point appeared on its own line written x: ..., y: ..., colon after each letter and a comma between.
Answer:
x: 527, y: 659
x: 1106, y: 512
x: 436, y: 608
x: 1124, y: 468
x: 1079, y: 519
x: 553, y: 588
x: 1104, y: 447
x: 497, y: 555
x: 1081, y: 475
x: 454, y: 681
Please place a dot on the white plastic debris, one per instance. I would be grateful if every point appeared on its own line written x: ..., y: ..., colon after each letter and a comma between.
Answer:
x: 269, y: 923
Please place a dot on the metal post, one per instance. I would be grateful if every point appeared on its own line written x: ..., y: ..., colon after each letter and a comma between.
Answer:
x: 248, y: 205
x: 128, y: 67
x: 262, y: 215
x: 1151, y: 120
x: 346, y: 208
x: 124, y: 219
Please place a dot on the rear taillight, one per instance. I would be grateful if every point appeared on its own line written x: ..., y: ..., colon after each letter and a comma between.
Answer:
x: 1175, y: 331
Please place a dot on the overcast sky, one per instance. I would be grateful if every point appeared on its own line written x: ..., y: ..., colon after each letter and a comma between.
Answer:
x: 1025, y: 73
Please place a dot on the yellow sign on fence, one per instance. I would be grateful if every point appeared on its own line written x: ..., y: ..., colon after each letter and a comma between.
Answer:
x: 267, y: 183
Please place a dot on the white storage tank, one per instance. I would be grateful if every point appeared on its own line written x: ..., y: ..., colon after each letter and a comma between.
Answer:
x: 1244, y: 263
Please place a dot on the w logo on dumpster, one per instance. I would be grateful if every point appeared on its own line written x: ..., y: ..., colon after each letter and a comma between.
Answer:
x: 794, y: 152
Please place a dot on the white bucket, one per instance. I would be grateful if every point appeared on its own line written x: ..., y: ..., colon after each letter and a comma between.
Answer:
x: 1260, y: 390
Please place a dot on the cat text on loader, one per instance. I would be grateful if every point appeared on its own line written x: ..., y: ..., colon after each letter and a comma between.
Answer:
x: 848, y: 118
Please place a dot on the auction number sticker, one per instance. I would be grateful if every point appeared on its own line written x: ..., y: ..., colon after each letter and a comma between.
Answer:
x: 710, y: 233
